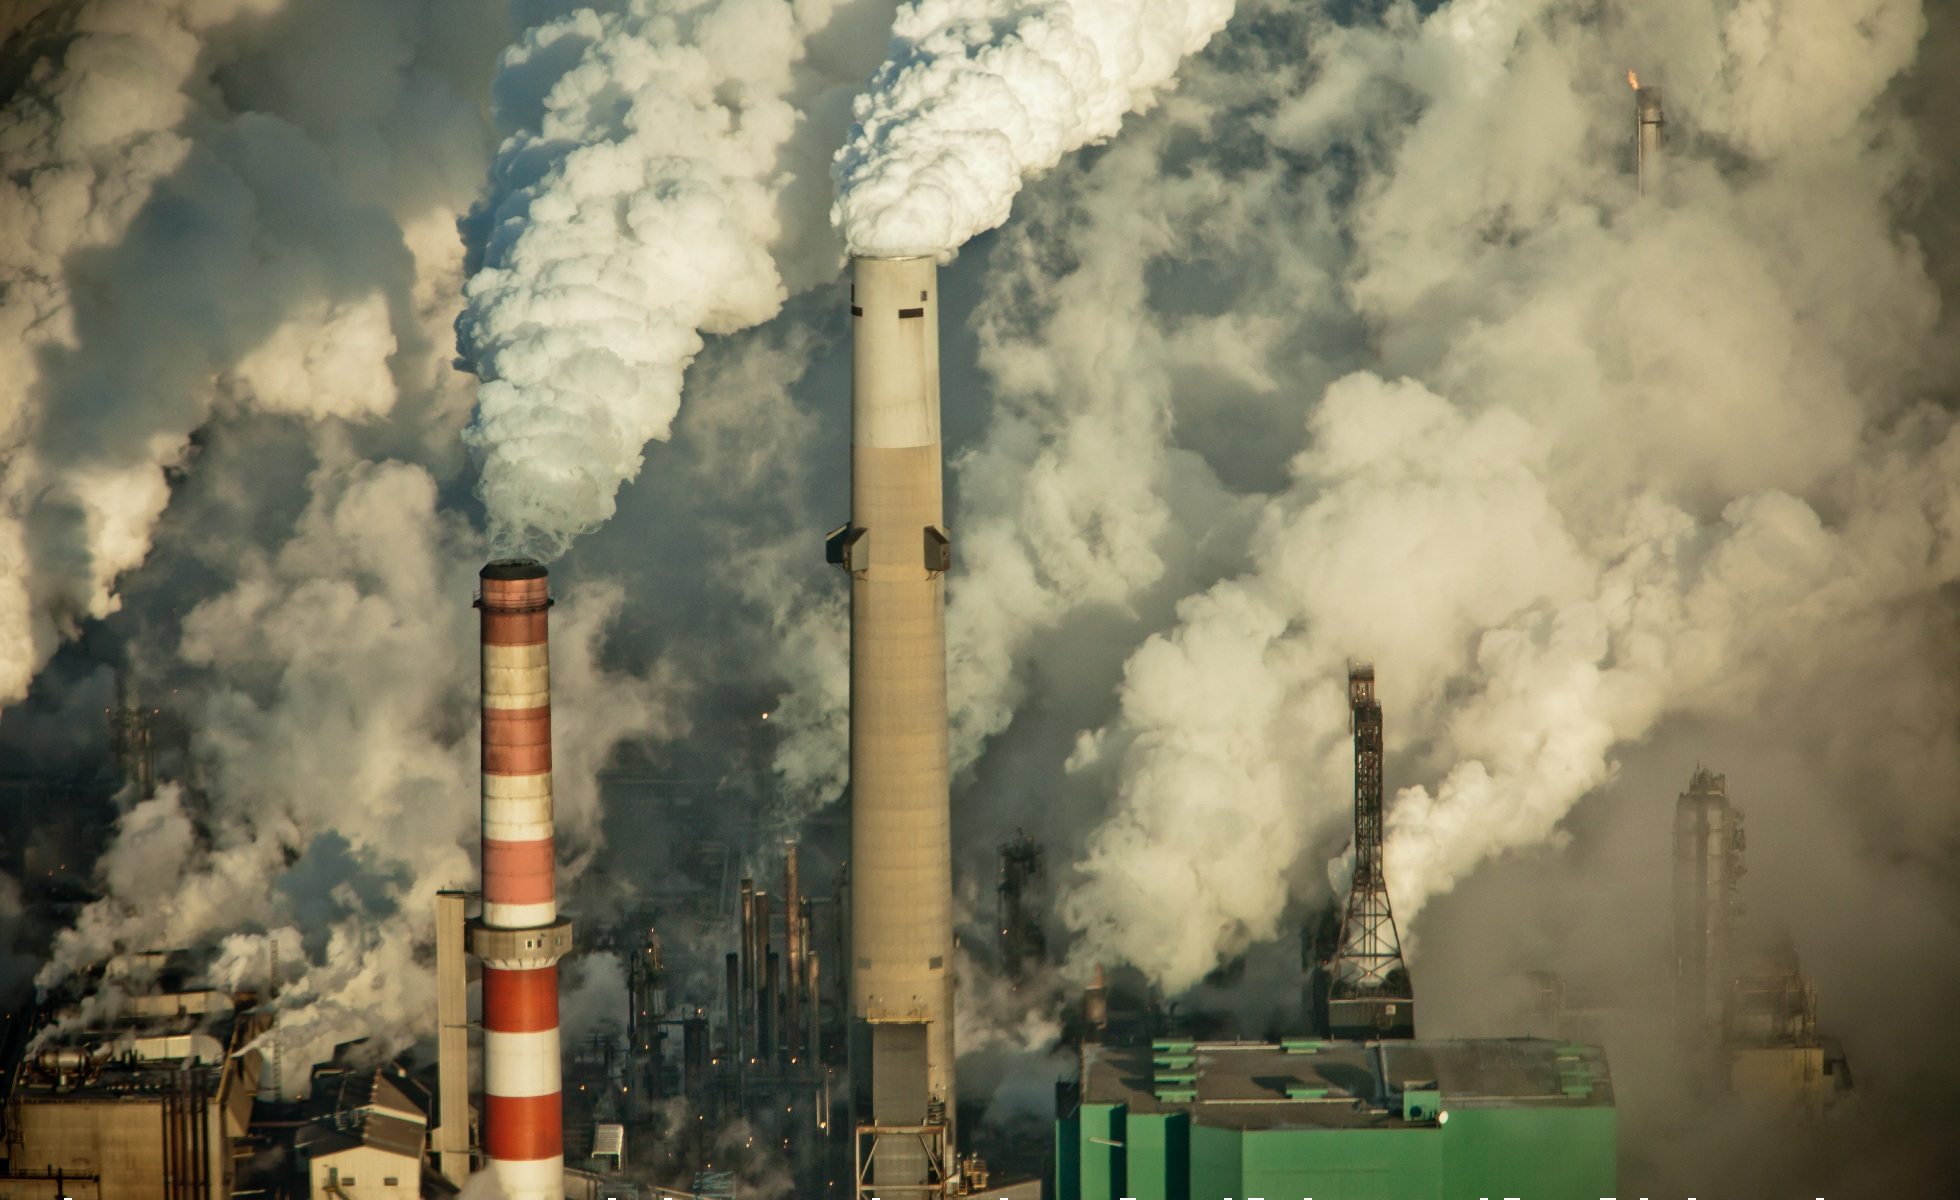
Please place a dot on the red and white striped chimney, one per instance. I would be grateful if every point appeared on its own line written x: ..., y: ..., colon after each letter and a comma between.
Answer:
x: 519, y: 937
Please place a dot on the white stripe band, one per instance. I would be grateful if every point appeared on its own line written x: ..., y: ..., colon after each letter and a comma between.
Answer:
x: 516, y: 676
x: 519, y: 916
x: 538, y: 783
x: 517, y: 818
x: 520, y: 1064
x: 530, y: 1178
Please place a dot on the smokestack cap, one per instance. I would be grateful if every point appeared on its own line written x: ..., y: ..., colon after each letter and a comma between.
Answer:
x: 1649, y: 103
x: 513, y: 568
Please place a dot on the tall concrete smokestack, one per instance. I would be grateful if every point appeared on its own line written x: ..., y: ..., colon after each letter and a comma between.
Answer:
x: 896, y: 552
x: 1649, y: 120
x: 520, y: 936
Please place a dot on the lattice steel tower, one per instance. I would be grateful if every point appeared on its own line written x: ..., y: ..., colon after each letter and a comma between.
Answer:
x: 1369, y: 993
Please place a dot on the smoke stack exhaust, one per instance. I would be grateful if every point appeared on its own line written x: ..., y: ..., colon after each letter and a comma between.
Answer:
x: 896, y: 552
x: 519, y: 937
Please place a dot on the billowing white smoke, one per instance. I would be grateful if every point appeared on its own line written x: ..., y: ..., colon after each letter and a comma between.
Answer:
x: 1647, y: 459
x: 342, y: 765
x: 656, y: 187
x: 978, y: 95
x: 174, y: 247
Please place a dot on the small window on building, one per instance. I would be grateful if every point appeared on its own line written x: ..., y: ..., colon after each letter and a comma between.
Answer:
x: 390, y: 1181
x: 347, y: 1181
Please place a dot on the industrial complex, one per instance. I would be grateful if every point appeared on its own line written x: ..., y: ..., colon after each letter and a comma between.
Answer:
x: 789, y: 1025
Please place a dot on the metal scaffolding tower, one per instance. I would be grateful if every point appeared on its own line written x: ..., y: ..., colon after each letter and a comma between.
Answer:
x: 1369, y: 994
x: 1022, y: 943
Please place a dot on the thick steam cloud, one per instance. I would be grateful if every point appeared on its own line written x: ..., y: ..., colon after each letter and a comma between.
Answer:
x: 655, y: 188
x: 1644, y: 460
x: 979, y: 95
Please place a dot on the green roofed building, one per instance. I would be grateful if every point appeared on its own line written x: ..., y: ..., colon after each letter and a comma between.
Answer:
x: 1339, y: 1120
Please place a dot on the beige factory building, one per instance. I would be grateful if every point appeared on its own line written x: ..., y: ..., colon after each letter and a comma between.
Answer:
x: 144, y: 1108
x: 366, y: 1137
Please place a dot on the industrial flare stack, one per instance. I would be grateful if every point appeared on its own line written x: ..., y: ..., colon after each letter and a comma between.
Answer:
x: 519, y: 936
x: 1650, y: 119
x: 896, y: 552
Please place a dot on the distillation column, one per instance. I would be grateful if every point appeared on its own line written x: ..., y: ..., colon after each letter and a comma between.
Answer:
x: 1707, y: 867
x: 519, y: 937
x: 896, y: 551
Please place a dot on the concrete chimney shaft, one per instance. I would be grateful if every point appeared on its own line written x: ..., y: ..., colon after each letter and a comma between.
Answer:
x: 896, y: 551
x: 519, y: 936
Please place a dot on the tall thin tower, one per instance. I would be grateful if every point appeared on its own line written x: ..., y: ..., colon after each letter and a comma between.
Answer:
x: 896, y: 552
x: 1650, y: 121
x: 1369, y: 993
x: 1708, y: 847
x: 519, y: 937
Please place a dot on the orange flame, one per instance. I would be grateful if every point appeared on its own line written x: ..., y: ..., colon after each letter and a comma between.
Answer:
x: 1633, y: 81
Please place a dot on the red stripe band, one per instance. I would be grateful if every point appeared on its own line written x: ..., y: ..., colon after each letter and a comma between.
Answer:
x: 518, y: 872
x: 513, y: 628
x: 517, y: 741
x: 520, y: 1001
x: 531, y: 592
x: 516, y: 1128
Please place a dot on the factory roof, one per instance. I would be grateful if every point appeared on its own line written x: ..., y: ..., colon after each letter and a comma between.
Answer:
x: 366, y: 1107
x: 144, y: 1047
x: 1312, y: 1083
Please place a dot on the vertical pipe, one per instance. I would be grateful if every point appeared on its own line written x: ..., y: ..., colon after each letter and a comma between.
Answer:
x: 807, y: 984
x: 770, y: 1036
x: 733, y: 1038
x: 745, y: 1044
x: 793, y: 951
x: 1650, y: 118
x: 896, y: 552
x: 759, y: 997
x: 452, y: 1136
x: 814, y: 1046
x: 520, y: 936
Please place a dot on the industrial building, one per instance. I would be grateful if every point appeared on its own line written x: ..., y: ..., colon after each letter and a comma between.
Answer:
x: 145, y: 1105
x: 1364, y: 1108
x: 366, y: 1137
x: 1378, y: 1120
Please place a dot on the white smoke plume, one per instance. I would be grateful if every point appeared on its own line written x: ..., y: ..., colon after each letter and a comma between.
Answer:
x: 336, y: 736
x: 189, y: 228
x: 656, y: 187
x: 978, y: 95
x: 1643, y: 460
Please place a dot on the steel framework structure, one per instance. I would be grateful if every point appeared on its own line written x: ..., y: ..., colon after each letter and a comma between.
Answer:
x: 924, y: 1144
x: 1369, y: 988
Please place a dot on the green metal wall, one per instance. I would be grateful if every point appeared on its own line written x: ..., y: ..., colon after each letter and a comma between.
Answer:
x: 1068, y: 1158
x: 1343, y: 1164
x: 1215, y: 1163
x: 1532, y: 1153
x: 1158, y: 1154
x: 1102, y: 1153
